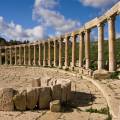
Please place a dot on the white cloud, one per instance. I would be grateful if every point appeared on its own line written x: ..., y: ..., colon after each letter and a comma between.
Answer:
x: 44, y: 12
x: 17, y: 32
x: 98, y: 3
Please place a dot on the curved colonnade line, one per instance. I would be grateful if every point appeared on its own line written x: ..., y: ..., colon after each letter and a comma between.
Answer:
x: 13, y: 54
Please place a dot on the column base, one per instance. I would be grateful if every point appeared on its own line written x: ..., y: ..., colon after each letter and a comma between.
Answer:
x: 65, y: 67
x: 44, y: 63
x: 101, y: 74
x: 60, y: 66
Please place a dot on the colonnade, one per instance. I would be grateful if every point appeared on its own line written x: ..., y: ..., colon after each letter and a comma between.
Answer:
x: 62, y: 43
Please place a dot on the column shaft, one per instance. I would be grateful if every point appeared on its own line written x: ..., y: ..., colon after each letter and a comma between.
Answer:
x: 24, y: 55
x: 5, y: 55
x: 34, y: 55
x: 29, y: 55
x: 55, y: 53
x: 19, y: 55
x: 49, y: 53
x: 87, y: 48
x: 111, y: 31
x: 0, y: 56
x: 66, y: 51
x: 15, y: 55
x: 81, y: 44
x: 60, y: 53
x: 44, y: 54
x: 73, y: 50
x: 100, y: 46
x: 10, y: 55
x: 40, y: 55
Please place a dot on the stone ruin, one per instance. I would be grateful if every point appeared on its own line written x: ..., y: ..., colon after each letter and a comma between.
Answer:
x: 43, y: 94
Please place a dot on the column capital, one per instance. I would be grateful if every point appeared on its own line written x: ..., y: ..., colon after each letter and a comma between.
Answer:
x: 73, y: 34
x: 6, y: 47
x: 87, y: 30
x: 66, y: 36
x: 44, y: 42
x: 111, y: 18
x: 118, y: 12
x: 100, y: 24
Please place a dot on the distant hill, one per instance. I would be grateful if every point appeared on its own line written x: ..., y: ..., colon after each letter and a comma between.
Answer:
x: 4, y: 42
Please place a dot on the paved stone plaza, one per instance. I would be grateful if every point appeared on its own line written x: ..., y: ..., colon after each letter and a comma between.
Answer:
x: 84, y: 94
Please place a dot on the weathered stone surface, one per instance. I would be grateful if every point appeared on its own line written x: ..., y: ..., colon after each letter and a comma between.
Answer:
x: 20, y: 100
x: 45, y: 81
x: 36, y: 82
x: 64, y: 94
x: 56, y: 92
x: 44, y: 97
x: 32, y: 97
x: 101, y: 74
x: 66, y: 90
x: 55, y: 106
x: 6, y: 101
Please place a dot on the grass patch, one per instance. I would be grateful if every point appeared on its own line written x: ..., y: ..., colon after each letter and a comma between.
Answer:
x: 101, y: 111
x: 115, y: 75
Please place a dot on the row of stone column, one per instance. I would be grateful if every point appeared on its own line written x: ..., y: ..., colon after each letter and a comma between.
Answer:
x: 84, y: 37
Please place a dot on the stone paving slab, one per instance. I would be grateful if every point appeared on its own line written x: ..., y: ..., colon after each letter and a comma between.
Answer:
x: 85, y: 94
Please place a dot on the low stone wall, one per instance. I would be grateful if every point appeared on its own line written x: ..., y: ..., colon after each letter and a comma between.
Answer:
x: 38, y: 96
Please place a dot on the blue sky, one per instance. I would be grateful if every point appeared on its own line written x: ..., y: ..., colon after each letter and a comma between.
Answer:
x: 38, y: 19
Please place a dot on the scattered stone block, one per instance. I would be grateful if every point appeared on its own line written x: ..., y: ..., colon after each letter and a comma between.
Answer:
x: 36, y: 82
x: 6, y: 99
x: 20, y: 100
x: 56, y: 92
x: 55, y: 106
x: 64, y: 94
x: 68, y: 87
x: 32, y: 97
x: 101, y: 74
x: 44, y: 97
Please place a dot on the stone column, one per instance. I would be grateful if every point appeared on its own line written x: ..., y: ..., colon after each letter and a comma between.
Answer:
x: 73, y: 50
x: 100, y: 45
x: 19, y: 55
x: 111, y: 34
x: 15, y: 55
x: 55, y: 53
x: 29, y: 55
x: 49, y: 53
x: 10, y: 48
x: 81, y: 44
x: 0, y: 56
x: 44, y: 54
x: 24, y: 55
x: 5, y: 55
x: 40, y: 55
x: 34, y: 63
x: 60, y: 53
x: 66, y: 51
x: 87, y: 48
